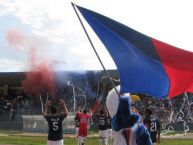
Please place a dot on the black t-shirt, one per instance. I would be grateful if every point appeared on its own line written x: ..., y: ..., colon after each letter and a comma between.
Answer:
x: 154, y: 126
x: 55, y: 127
x: 102, y: 122
x: 108, y: 121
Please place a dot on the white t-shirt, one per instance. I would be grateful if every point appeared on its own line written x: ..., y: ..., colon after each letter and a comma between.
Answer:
x: 119, y: 139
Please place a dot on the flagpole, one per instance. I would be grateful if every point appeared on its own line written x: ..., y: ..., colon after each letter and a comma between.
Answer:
x: 73, y: 5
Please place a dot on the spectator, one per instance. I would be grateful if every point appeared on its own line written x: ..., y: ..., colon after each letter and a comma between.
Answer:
x: 13, y: 109
x: 179, y: 119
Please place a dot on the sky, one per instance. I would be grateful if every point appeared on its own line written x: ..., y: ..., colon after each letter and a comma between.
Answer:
x: 52, y: 28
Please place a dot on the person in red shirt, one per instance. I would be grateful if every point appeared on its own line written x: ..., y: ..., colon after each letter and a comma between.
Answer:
x: 83, y: 126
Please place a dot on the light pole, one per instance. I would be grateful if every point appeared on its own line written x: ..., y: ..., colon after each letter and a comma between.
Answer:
x: 73, y: 95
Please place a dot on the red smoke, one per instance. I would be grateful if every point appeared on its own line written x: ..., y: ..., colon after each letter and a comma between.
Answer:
x: 40, y: 78
x: 15, y: 38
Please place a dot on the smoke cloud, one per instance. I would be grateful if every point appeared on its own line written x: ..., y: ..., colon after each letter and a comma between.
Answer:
x: 40, y: 77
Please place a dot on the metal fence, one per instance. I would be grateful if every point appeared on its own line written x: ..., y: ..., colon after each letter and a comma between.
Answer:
x: 37, y: 123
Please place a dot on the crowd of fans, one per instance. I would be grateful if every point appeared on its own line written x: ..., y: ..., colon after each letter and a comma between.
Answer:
x: 168, y: 110
x: 11, y: 104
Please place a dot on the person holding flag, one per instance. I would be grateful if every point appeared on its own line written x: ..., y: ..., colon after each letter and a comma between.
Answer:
x: 126, y: 124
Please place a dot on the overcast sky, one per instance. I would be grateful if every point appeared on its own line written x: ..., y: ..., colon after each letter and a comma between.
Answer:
x: 52, y: 27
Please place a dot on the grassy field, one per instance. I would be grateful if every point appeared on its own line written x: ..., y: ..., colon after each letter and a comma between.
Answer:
x: 41, y: 140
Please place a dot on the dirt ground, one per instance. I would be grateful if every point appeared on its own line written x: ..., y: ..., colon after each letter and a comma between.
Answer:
x: 177, y: 136
x: 43, y: 134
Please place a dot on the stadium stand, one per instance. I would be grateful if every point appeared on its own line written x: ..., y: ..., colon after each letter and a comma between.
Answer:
x: 28, y: 109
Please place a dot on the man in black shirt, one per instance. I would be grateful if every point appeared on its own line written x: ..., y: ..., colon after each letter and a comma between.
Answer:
x: 102, y: 125
x: 77, y: 124
x: 153, y: 126
x: 109, y: 127
x: 55, y: 134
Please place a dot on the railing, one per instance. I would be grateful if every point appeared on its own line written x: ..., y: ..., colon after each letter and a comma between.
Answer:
x: 37, y: 123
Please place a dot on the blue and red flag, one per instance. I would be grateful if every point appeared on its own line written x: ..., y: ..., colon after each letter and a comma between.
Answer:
x: 145, y: 65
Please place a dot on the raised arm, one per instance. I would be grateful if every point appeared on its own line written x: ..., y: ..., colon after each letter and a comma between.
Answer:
x: 64, y: 108
x: 45, y: 113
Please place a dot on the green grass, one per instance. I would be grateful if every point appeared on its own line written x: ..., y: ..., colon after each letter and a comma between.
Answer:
x: 22, y: 140
x: 176, y: 142
x: 26, y: 140
x: 41, y: 140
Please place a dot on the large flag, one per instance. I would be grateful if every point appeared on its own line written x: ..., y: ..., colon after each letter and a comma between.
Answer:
x: 145, y: 65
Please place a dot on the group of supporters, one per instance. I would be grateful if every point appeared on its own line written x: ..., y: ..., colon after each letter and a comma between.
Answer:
x: 104, y: 126
x: 55, y: 117
x: 104, y: 122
